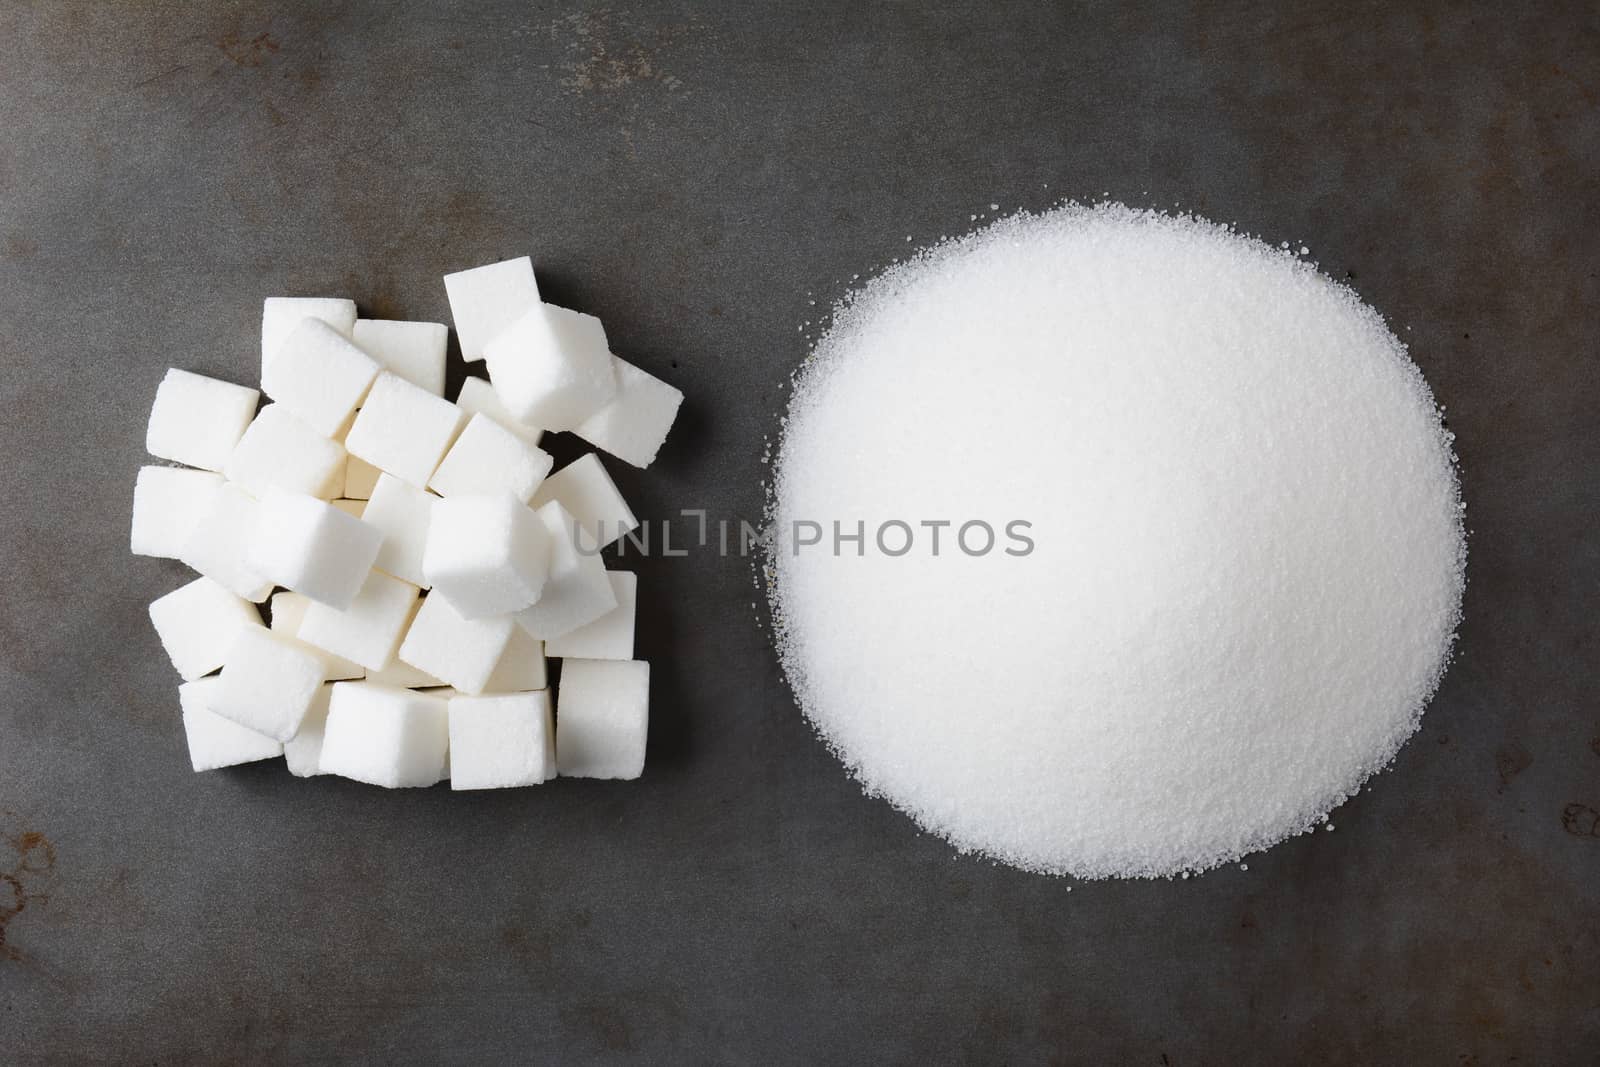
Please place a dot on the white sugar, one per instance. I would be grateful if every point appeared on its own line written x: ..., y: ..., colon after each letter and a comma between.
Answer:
x: 1248, y: 550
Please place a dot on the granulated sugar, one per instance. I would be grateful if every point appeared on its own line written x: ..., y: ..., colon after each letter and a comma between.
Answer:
x: 1247, y: 546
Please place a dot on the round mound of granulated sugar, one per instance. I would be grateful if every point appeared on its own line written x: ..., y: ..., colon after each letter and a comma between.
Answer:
x: 1240, y: 574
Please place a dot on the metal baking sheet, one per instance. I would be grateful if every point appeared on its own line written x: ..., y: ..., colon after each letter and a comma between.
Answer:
x: 698, y: 174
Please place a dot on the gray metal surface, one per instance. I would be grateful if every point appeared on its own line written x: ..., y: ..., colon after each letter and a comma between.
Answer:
x: 696, y: 174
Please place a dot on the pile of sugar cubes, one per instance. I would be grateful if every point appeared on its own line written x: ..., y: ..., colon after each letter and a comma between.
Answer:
x: 419, y: 557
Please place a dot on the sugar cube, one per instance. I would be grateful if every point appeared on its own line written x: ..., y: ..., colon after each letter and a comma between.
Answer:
x: 477, y: 397
x: 359, y: 478
x: 280, y: 450
x: 590, y: 496
x: 311, y: 547
x: 281, y: 314
x: 634, y: 424
x: 167, y: 503
x: 213, y: 740
x: 320, y: 375
x: 487, y: 554
x: 288, y: 612
x: 303, y: 751
x: 197, y: 624
x: 352, y: 508
x: 577, y: 590
x: 551, y: 367
x: 462, y: 652
x: 198, y: 420
x: 268, y: 682
x: 369, y: 630
x: 401, y: 513
x: 384, y: 736
x: 602, y: 718
x: 521, y: 667
x: 488, y: 458
x: 501, y: 741
x: 403, y: 675
x: 403, y: 429
x: 485, y: 300
x: 608, y: 637
x: 218, y: 544
x: 413, y: 350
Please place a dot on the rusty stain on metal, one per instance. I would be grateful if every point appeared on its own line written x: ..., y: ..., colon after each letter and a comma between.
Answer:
x: 1580, y: 820
x: 23, y: 881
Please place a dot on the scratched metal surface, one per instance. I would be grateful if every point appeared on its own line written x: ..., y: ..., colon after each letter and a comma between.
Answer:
x: 696, y: 174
